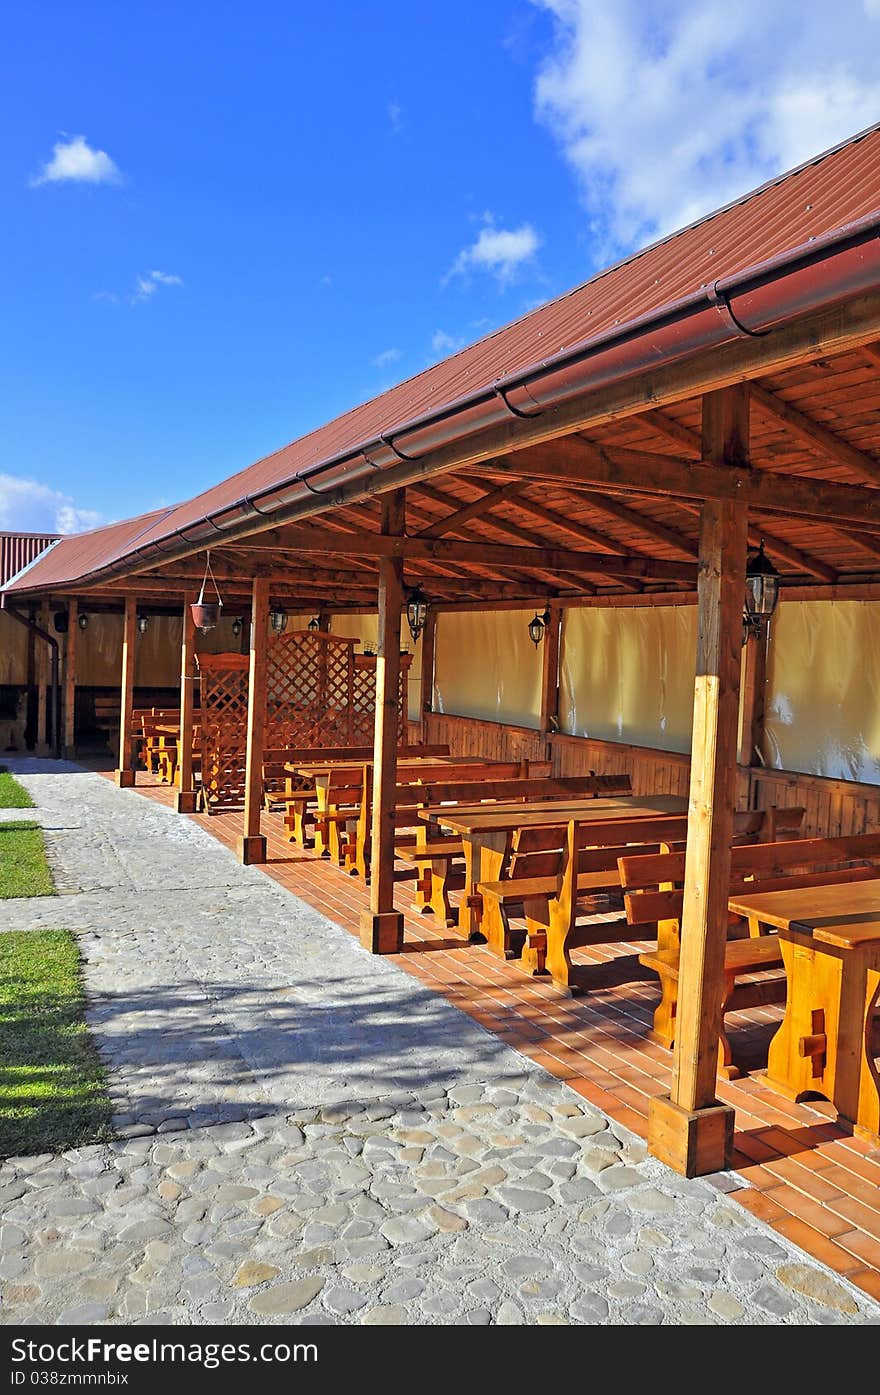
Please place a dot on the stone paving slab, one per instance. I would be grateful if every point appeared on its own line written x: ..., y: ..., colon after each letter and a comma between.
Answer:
x: 309, y: 1136
x: 503, y: 1203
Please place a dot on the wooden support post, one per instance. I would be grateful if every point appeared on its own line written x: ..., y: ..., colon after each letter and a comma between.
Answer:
x: 185, y: 799
x: 252, y: 845
x: 429, y: 647
x: 70, y: 678
x: 753, y: 693
x: 689, y: 1130
x: 42, y: 746
x: 550, y: 673
x: 125, y: 774
x: 381, y: 928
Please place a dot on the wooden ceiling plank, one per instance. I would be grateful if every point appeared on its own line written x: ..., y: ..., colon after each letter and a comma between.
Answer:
x: 814, y: 434
x: 651, y: 527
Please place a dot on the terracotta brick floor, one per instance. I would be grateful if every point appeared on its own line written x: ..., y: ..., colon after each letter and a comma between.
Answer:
x: 807, y: 1178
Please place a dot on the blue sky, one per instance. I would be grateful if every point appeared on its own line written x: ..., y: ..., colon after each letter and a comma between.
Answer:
x: 223, y: 224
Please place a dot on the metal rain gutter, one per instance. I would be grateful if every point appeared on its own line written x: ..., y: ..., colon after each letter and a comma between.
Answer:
x: 751, y: 303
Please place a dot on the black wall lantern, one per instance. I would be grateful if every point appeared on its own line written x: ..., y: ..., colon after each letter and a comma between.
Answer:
x: 143, y: 624
x: 83, y: 621
x: 278, y: 620
x: 416, y: 611
x: 237, y: 626
x: 762, y: 592
x: 314, y: 624
x: 538, y: 625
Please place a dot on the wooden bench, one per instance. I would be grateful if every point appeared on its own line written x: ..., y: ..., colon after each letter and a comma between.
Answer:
x: 433, y: 785
x: 435, y: 855
x: 653, y: 896
x: 295, y: 798
x: 555, y: 875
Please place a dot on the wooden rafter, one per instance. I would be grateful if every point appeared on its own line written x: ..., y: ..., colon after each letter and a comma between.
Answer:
x: 783, y: 551
x: 814, y: 434
x: 651, y: 527
x: 579, y: 464
x: 463, y: 515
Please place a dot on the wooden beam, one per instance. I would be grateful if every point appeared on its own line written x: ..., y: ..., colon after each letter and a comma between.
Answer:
x: 575, y: 527
x: 815, y: 435
x: 70, y: 678
x: 651, y: 527
x: 461, y: 516
x: 689, y: 1130
x: 673, y: 430
x: 580, y: 464
x: 872, y: 353
x: 185, y: 798
x: 252, y: 844
x: 125, y: 774
x: 785, y: 552
x: 550, y: 671
x: 496, y: 554
x: 381, y: 927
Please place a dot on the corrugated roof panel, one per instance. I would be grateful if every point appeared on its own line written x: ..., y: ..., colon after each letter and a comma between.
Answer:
x: 77, y: 554
x: 823, y: 196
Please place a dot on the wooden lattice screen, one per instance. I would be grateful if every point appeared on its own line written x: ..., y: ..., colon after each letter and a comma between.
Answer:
x: 223, y: 681
x: 321, y: 693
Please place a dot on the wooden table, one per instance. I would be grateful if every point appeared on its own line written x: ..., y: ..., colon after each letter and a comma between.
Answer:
x: 486, y: 830
x: 830, y: 941
x: 322, y: 773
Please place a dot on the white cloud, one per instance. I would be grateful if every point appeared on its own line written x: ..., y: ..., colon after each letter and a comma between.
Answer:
x: 668, y: 114
x: 74, y: 161
x: 501, y: 251
x: 443, y: 343
x: 146, y: 286
x: 394, y: 114
x: 385, y: 357
x: 29, y: 507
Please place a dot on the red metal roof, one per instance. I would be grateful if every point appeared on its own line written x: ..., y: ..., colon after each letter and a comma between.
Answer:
x: 17, y: 550
x: 827, y: 194
x: 77, y: 554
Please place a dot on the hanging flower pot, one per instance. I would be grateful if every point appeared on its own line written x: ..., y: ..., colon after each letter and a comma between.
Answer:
x: 206, y: 614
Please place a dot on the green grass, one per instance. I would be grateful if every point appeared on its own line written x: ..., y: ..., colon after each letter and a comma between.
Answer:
x: 24, y: 870
x: 12, y: 794
x: 53, y: 1091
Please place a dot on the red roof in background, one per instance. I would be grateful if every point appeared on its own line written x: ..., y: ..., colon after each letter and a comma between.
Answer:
x: 77, y: 554
x: 17, y: 550
x: 826, y: 194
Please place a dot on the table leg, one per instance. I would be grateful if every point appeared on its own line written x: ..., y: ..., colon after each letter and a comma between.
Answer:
x: 492, y: 855
x: 322, y: 841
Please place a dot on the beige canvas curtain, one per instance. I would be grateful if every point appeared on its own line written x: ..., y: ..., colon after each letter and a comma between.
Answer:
x: 486, y: 666
x: 823, y: 689
x: 627, y: 675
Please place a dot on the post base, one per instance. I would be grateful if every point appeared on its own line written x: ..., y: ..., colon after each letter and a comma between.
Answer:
x: 185, y: 801
x: 691, y: 1142
x: 382, y: 934
x: 124, y: 778
x: 252, y: 848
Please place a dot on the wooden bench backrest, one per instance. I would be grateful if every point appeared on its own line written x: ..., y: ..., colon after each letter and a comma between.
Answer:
x: 540, y: 852
x: 653, y: 886
x: 524, y: 788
